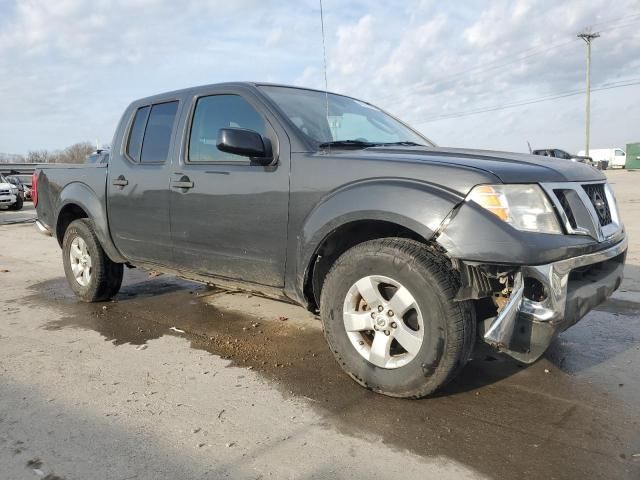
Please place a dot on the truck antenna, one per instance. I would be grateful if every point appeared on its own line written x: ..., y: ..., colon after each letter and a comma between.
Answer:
x: 324, y: 56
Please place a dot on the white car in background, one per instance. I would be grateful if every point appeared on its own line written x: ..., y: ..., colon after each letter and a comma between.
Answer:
x: 615, y: 156
x: 9, y: 195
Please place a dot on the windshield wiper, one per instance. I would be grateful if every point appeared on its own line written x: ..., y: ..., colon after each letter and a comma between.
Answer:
x: 348, y: 143
x: 406, y: 143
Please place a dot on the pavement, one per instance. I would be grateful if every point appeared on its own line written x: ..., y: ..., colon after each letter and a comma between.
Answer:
x: 25, y: 215
x: 176, y: 380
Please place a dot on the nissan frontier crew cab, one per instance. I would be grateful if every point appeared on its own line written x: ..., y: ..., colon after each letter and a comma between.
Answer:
x: 408, y: 251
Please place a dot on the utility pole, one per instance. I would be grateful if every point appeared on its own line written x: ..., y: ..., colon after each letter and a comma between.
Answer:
x: 588, y: 38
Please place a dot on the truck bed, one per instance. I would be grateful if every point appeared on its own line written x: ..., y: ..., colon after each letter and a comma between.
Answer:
x: 59, y: 182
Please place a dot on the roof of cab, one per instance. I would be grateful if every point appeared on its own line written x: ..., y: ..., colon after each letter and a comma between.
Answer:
x: 251, y: 85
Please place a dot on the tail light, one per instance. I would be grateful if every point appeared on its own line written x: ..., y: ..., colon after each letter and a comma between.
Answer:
x: 34, y: 188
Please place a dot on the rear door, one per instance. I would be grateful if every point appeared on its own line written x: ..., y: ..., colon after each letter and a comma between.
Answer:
x: 138, y: 184
x: 231, y: 220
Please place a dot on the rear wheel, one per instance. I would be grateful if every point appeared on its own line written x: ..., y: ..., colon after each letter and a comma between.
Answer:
x: 390, y: 317
x: 91, y: 274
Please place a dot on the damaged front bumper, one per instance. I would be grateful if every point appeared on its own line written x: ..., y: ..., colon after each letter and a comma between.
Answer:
x: 566, y: 291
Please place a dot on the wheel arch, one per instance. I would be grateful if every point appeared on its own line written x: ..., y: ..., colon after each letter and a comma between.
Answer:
x: 366, y: 210
x: 69, y: 213
x: 77, y: 200
x: 341, y: 239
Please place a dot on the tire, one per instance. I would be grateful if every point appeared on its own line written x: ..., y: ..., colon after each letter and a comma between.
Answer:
x: 448, y: 326
x: 105, y: 276
x: 19, y: 203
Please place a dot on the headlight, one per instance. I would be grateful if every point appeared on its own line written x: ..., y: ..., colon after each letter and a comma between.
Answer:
x: 525, y: 207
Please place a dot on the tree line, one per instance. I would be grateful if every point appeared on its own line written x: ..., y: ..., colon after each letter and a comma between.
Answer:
x: 76, y: 153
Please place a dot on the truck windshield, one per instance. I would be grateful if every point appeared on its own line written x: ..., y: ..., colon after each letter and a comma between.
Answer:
x: 345, y: 122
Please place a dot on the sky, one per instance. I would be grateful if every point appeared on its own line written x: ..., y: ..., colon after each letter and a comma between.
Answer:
x: 68, y: 68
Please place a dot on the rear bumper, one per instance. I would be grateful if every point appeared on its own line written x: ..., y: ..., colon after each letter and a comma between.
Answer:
x: 43, y: 229
x: 524, y: 327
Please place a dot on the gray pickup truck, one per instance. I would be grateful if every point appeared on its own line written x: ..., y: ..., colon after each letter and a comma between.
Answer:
x: 409, y: 251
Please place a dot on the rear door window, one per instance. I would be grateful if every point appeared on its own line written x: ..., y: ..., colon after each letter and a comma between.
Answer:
x: 157, y: 135
x: 151, y: 132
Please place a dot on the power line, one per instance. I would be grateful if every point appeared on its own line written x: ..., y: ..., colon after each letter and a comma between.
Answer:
x: 531, y: 101
x: 496, y: 65
x: 485, y: 67
x: 617, y: 27
x: 549, y: 48
x: 505, y: 61
x: 614, y: 20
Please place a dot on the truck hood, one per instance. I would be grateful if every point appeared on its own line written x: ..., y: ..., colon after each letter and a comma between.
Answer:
x: 506, y: 166
x: 7, y: 186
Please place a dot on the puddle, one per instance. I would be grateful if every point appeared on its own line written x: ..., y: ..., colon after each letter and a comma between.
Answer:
x: 496, y: 417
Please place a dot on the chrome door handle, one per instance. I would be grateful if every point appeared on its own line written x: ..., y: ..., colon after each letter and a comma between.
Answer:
x: 182, y: 184
x: 120, y: 182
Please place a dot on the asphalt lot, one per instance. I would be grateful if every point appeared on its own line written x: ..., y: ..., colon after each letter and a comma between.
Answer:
x: 10, y: 217
x: 175, y: 380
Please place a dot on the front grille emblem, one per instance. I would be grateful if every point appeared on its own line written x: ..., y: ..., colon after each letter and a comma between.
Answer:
x: 598, y: 203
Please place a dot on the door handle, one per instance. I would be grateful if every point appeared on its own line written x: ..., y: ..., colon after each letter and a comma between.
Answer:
x: 120, y: 182
x: 184, y: 182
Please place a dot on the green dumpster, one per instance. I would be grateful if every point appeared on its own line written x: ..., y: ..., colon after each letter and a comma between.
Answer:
x: 633, y: 156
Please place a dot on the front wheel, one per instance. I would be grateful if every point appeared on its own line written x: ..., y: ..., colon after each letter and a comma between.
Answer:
x: 391, y: 320
x: 91, y: 274
x: 19, y: 203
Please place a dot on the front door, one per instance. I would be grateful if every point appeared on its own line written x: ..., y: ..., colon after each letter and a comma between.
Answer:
x: 228, y: 215
x: 138, y: 185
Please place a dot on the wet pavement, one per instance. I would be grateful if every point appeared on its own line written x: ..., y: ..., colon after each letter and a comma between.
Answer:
x: 574, y: 414
x: 555, y: 419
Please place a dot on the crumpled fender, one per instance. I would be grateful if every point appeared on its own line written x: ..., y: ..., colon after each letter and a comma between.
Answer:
x: 474, y: 234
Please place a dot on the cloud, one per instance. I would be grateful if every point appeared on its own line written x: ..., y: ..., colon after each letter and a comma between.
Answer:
x: 451, y: 60
x: 70, y: 67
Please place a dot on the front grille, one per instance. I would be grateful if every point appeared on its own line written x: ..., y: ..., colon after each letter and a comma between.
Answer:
x: 4, y: 192
x: 564, y: 203
x: 598, y: 197
x: 585, y: 208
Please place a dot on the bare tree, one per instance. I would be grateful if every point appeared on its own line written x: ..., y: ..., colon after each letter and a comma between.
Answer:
x: 11, y: 158
x: 76, y: 153
x: 38, y: 156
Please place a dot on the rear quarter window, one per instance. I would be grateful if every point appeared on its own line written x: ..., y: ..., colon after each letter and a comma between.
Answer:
x: 134, y: 145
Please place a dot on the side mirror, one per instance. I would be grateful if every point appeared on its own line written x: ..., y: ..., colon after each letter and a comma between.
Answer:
x: 247, y: 143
